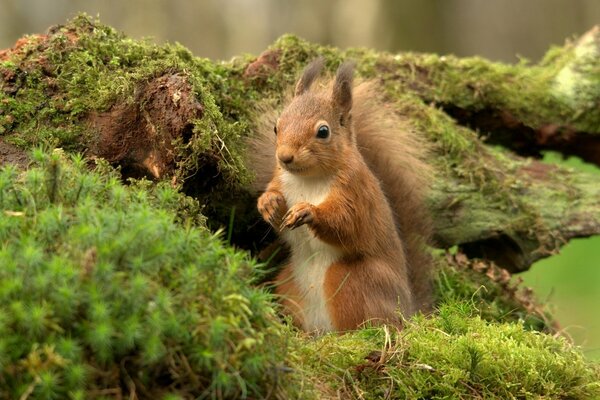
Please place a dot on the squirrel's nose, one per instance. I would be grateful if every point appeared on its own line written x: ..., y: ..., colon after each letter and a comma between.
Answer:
x: 286, y: 158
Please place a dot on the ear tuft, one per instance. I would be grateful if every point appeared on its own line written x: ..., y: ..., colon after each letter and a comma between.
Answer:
x: 342, y: 88
x: 309, y: 74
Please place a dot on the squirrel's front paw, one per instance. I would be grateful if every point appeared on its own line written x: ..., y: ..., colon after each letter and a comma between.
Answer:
x: 272, y: 206
x: 298, y: 215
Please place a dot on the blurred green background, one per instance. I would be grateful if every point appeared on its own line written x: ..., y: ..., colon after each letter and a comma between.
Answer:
x: 501, y: 30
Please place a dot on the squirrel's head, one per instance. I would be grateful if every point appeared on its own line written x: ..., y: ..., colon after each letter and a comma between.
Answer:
x: 314, y: 131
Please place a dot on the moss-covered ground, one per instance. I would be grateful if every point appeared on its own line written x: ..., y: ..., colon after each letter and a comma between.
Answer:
x: 111, y: 289
x: 454, y: 355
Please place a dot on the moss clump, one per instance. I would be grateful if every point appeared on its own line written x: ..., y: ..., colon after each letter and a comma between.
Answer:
x: 100, y: 285
x: 51, y: 85
x: 453, y: 354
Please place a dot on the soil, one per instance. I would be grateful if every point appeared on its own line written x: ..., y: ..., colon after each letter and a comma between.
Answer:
x: 10, y: 154
x: 139, y: 135
x: 263, y: 67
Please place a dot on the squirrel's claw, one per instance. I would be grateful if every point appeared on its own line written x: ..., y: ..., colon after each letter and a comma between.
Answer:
x: 298, y: 215
x: 271, y: 206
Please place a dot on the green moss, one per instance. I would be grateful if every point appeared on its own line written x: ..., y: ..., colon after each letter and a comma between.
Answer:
x: 524, y: 91
x: 454, y: 354
x: 495, y: 301
x: 97, y: 276
x: 85, y: 67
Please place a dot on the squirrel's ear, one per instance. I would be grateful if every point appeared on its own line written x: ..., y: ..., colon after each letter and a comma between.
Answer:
x: 342, y: 88
x: 311, y: 71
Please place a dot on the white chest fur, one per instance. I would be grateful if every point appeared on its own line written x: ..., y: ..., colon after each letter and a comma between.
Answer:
x: 310, y: 256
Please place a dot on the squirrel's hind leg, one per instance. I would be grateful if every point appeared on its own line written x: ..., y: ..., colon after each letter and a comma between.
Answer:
x: 362, y: 292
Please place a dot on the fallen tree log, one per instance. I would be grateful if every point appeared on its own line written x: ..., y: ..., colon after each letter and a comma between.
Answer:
x: 160, y: 112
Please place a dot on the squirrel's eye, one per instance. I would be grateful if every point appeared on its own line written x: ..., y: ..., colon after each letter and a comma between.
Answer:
x: 323, y: 132
x: 275, y: 130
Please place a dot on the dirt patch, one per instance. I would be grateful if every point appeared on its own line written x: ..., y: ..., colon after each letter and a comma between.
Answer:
x: 10, y: 154
x: 263, y: 67
x: 539, y: 170
x: 21, y: 45
x: 139, y: 136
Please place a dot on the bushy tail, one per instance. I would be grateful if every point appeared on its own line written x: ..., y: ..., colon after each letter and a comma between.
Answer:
x: 261, y: 145
x: 395, y: 155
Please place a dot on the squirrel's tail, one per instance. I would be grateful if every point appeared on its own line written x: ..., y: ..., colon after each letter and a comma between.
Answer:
x: 396, y: 155
x: 261, y: 145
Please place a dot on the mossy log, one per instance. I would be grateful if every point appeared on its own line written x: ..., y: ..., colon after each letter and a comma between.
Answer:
x: 102, y: 276
x: 157, y: 111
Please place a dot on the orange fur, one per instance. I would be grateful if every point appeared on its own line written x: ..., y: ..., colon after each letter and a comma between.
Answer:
x: 289, y: 295
x: 355, y: 225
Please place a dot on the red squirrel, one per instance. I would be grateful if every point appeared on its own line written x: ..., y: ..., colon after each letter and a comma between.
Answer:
x: 345, y: 192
